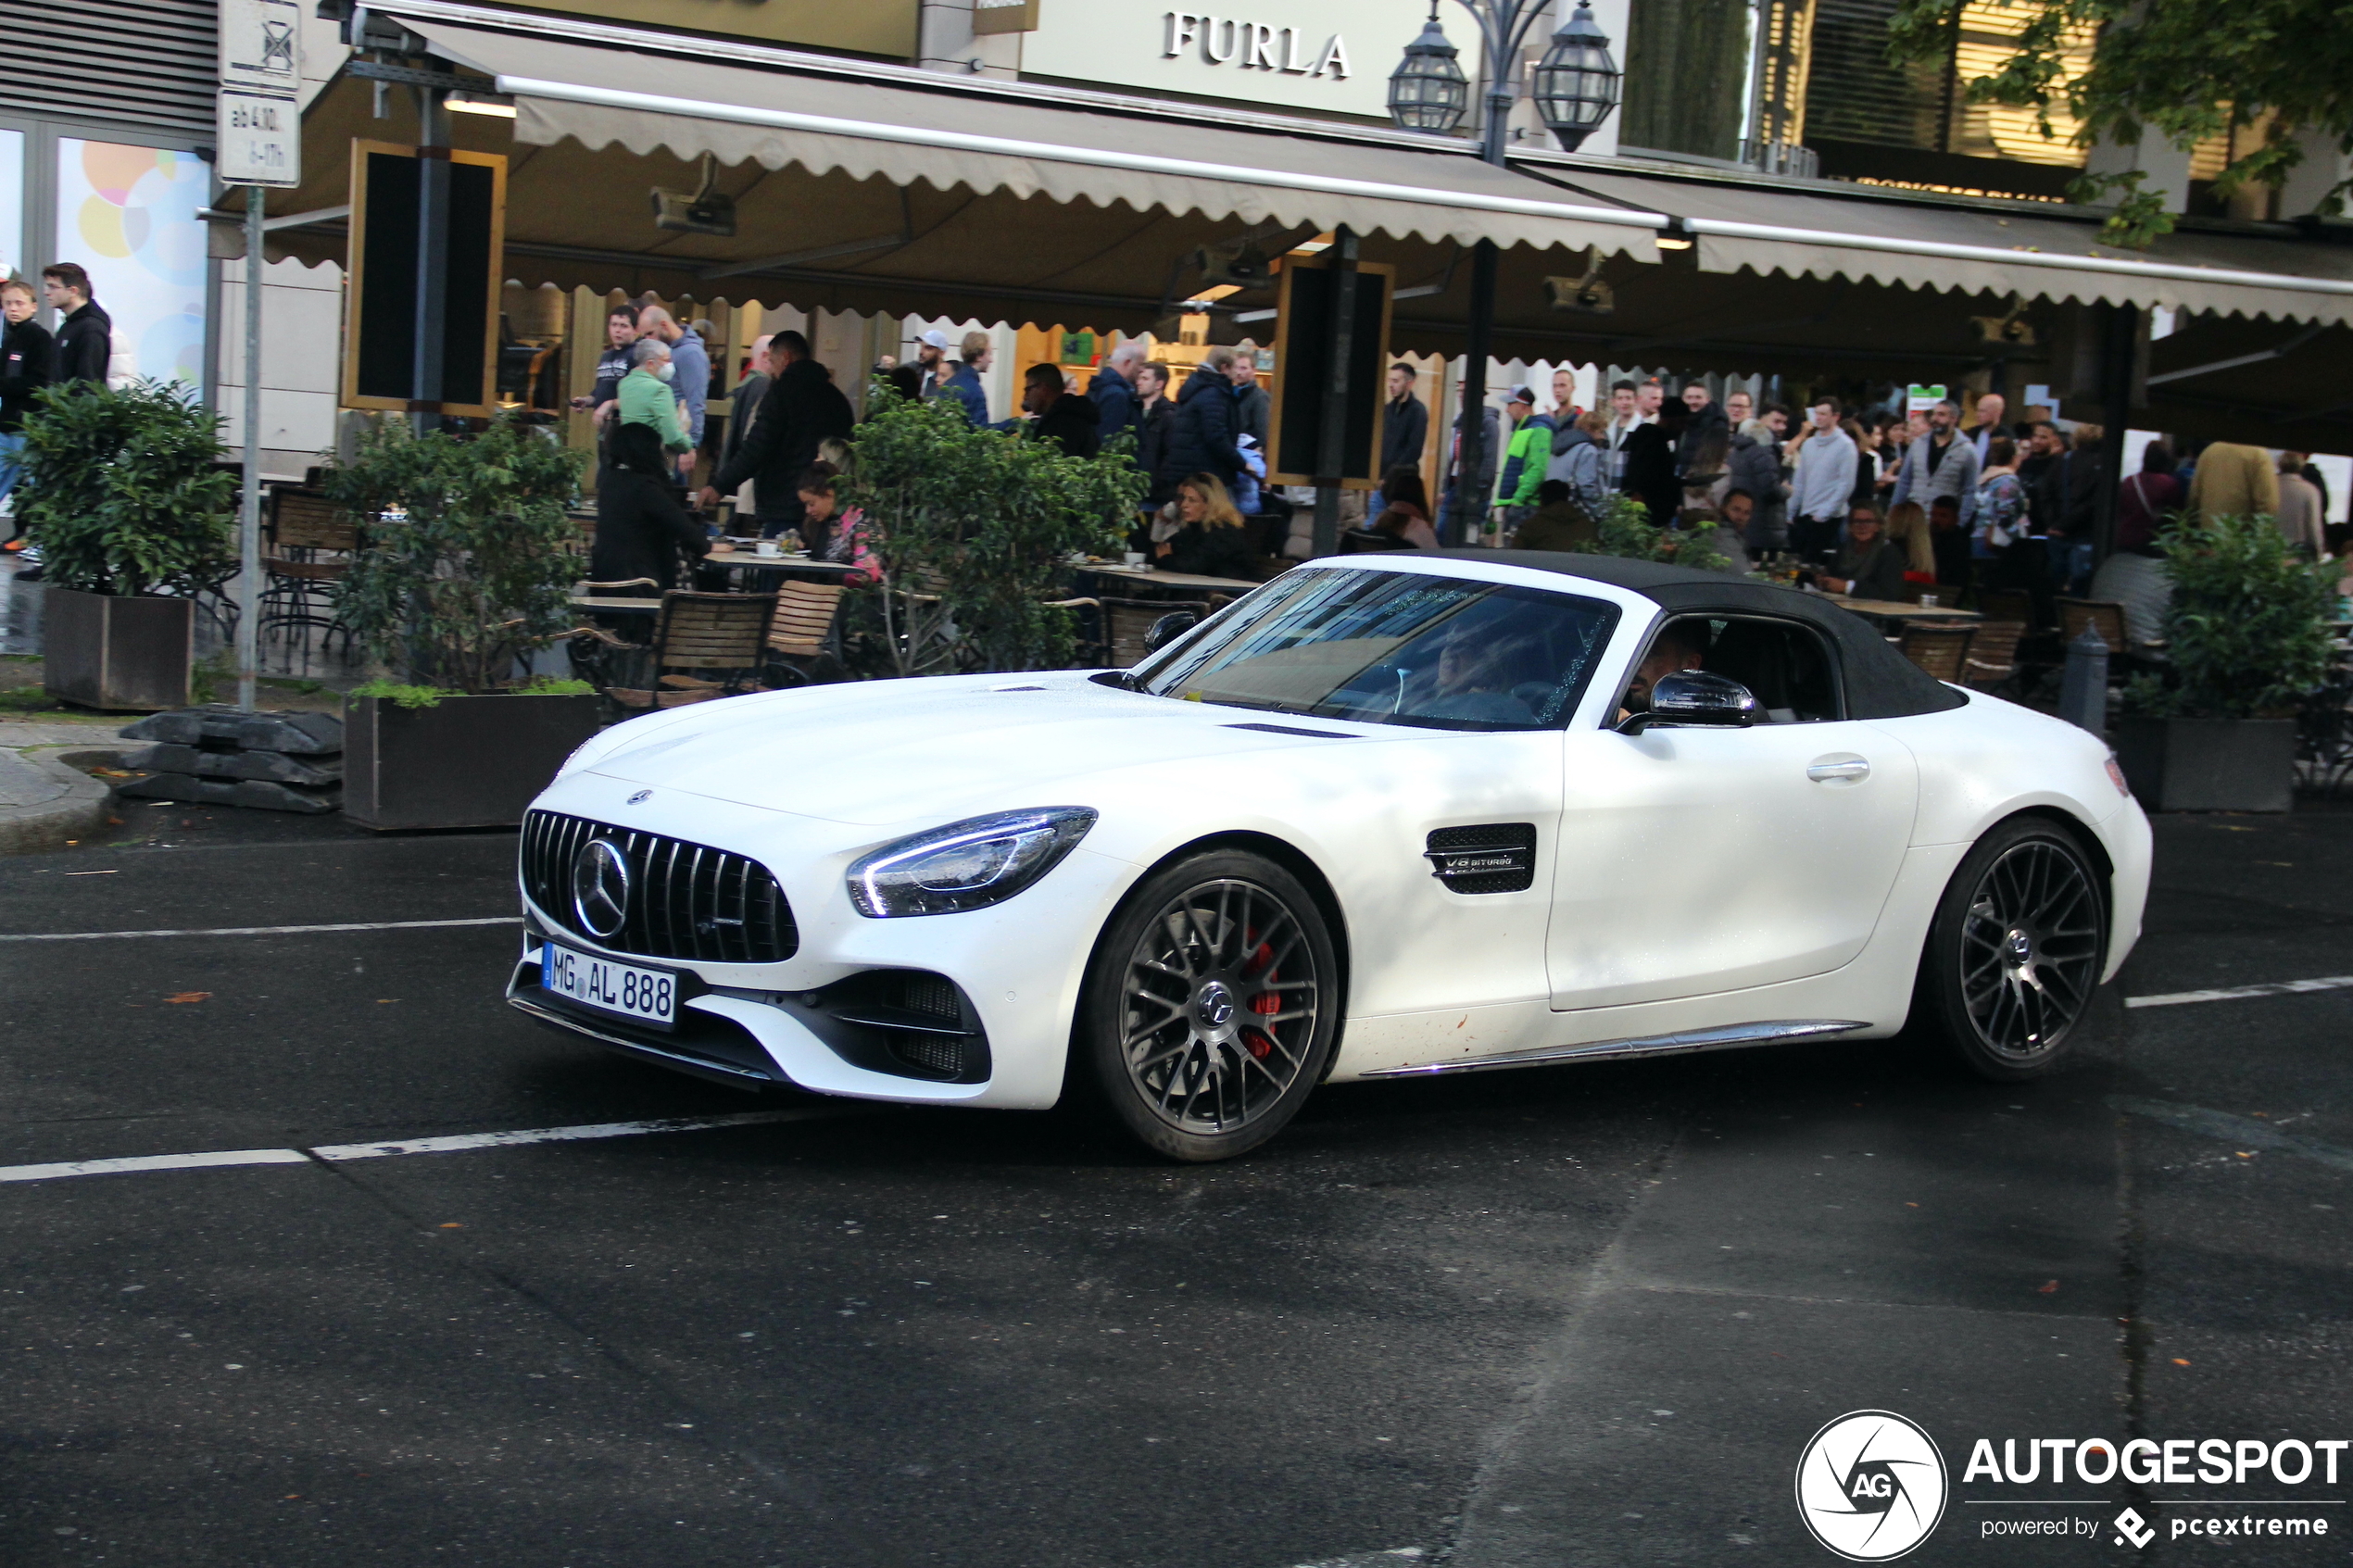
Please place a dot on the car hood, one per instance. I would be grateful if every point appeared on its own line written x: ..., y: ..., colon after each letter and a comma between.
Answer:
x: 879, y: 752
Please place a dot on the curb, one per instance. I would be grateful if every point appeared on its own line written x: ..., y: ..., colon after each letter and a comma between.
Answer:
x: 80, y: 812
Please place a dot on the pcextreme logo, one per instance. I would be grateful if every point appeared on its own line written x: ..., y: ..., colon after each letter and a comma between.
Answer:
x: 1872, y: 1485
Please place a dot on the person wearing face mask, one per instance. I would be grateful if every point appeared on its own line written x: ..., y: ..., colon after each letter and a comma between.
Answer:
x: 646, y: 397
x: 28, y: 358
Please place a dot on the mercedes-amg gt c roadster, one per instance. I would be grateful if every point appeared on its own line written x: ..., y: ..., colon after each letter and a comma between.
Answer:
x: 1384, y: 817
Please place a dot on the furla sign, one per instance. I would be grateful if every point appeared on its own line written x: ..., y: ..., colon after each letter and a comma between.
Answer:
x: 1329, y: 54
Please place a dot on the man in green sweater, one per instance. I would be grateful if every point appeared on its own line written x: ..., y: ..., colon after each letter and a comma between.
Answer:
x: 646, y: 397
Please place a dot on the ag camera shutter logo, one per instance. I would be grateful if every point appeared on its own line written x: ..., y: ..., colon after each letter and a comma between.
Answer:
x: 1872, y: 1485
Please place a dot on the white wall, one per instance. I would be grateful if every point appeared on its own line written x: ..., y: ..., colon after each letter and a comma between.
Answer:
x: 301, y: 329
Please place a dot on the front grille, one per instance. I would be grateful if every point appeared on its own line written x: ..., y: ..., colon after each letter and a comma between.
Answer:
x: 1491, y: 858
x: 686, y: 900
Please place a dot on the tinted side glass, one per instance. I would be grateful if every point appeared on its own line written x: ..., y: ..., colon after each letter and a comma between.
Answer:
x: 1786, y: 665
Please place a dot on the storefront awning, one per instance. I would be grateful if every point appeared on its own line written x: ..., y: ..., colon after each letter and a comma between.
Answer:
x: 744, y: 115
x: 1981, y: 249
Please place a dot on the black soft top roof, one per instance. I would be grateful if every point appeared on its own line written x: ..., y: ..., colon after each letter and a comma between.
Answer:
x: 1881, y: 683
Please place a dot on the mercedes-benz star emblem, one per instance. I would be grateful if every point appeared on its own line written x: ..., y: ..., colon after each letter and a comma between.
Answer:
x: 600, y: 888
x: 641, y: 795
x: 1215, y: 1004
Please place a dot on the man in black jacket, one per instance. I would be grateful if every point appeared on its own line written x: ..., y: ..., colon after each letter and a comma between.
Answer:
x: 801, y: 409
x: 1059, y: 415
x: 1155, y: 414
x: 26, y: 351
x: 1404, y: 425
x: 85, y: 338
x: 1201, y: 439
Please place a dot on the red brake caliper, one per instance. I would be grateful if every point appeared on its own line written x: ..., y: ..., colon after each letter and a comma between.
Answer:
x: 1264, y: 1003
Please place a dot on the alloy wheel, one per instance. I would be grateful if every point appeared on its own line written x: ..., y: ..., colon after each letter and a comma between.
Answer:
x: 2029, y: 949
x: 1219, y: 1003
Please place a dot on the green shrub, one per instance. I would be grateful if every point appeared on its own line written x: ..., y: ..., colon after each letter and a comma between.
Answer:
x: 463, y: 562
x: 973, y: 528
x: 121, y: 491
x: 1627, y: 530
x: 2247, y: 631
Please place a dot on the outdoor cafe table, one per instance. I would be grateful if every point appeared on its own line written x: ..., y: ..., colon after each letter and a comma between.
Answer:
x: 1143, y: 577
x: 798, y: 565
x: 1896, y: 609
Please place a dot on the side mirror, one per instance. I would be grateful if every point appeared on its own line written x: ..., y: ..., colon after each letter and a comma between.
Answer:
x: 1693, y: 698
x: 1168, y: 628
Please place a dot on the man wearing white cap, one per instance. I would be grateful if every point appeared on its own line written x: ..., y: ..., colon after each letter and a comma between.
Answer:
x: 931, y: 358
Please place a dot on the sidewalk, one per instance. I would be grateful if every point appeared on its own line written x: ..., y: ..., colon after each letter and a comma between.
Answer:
x: 44, y: 801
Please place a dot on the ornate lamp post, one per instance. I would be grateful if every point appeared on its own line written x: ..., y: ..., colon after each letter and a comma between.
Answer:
x: 1428, y: 90
x: 1575, y: 87
x: 1576, y: 83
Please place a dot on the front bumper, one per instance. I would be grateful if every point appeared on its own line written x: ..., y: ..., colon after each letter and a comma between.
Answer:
x: 1017, y: 966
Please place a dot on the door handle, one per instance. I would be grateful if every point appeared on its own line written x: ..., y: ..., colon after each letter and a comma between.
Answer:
x: 1843, y: 770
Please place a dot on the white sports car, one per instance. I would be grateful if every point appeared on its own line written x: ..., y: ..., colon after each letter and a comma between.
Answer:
x: 1386, y: 816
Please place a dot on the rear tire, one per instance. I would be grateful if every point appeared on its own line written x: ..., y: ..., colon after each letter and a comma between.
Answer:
x: 2015, y: 951
x: 1211, y: 1006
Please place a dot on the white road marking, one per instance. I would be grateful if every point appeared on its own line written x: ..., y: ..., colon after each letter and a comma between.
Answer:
x: 2236, y: 993
x: 564, y: 1135
x: 261, y: 930
x: 339, y: 1153
x: 154, y: 1162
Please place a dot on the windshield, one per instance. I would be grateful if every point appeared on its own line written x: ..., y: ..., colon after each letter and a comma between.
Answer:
x: 1394, y: 648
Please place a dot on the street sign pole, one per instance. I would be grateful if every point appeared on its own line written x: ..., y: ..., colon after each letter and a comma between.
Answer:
x: 249, y: 508
x: 258, y: 145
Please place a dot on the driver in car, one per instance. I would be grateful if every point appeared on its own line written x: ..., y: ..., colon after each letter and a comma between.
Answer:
x: 1681, y: 646
x: 1473, y: 681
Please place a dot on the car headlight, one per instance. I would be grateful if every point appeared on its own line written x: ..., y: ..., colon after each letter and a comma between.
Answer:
x: 966, y: 865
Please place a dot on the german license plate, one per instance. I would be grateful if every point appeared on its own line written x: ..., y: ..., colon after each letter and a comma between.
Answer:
x: 647, y: 995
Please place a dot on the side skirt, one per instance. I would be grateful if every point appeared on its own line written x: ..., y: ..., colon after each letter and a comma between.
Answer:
x: 1684, y: 1043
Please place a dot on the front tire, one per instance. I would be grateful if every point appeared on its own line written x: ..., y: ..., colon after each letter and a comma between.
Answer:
x: 1211, y: 1005
x: 2014, y: 953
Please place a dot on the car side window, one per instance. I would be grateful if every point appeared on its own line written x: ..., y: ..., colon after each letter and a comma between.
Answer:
x: 1787, y: 665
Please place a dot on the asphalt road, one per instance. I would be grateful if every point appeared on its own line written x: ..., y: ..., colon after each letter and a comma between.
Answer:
x: 1584, y: 1316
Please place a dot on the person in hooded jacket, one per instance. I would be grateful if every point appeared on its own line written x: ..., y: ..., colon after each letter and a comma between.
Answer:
x: 1755, y: 466
x: 1704, y: 419
x: 27, y: 353
x: 642, y: 530
x: 85, y: 338
x: 1202, y: 432
x: 1580, y: 463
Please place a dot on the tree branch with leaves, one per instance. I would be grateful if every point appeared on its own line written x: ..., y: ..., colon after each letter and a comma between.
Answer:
x: 2186, y: 70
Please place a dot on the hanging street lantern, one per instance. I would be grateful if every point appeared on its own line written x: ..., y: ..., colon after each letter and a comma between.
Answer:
x: 1427, y: 91
x: 1576, y: 83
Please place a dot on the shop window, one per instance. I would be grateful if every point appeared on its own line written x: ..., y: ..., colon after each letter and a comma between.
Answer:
x: 128, y: 214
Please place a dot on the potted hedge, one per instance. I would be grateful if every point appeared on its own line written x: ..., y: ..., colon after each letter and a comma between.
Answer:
x: 462, y: 567
x: 975, y: 529
x: 2247, y: 637
x: 125, y: 495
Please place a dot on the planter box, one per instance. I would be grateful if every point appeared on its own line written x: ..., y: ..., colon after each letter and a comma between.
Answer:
x: 2209, y: 764
x: 466, y: 762
x: 101, y: 651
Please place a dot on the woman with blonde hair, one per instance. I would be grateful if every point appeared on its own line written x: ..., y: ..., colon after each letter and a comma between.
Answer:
x: 1210, y: 540
x: 1907, y: 527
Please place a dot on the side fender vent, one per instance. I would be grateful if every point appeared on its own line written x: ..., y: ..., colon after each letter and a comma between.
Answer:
x: 1490, y: 858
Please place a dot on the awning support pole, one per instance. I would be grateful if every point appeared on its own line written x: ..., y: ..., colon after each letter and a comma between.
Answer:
x: 249, y: 505
x: 2120, y: 346
x: 433, y: 257
x: 1470, y: 510
x: 1331, y: 439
